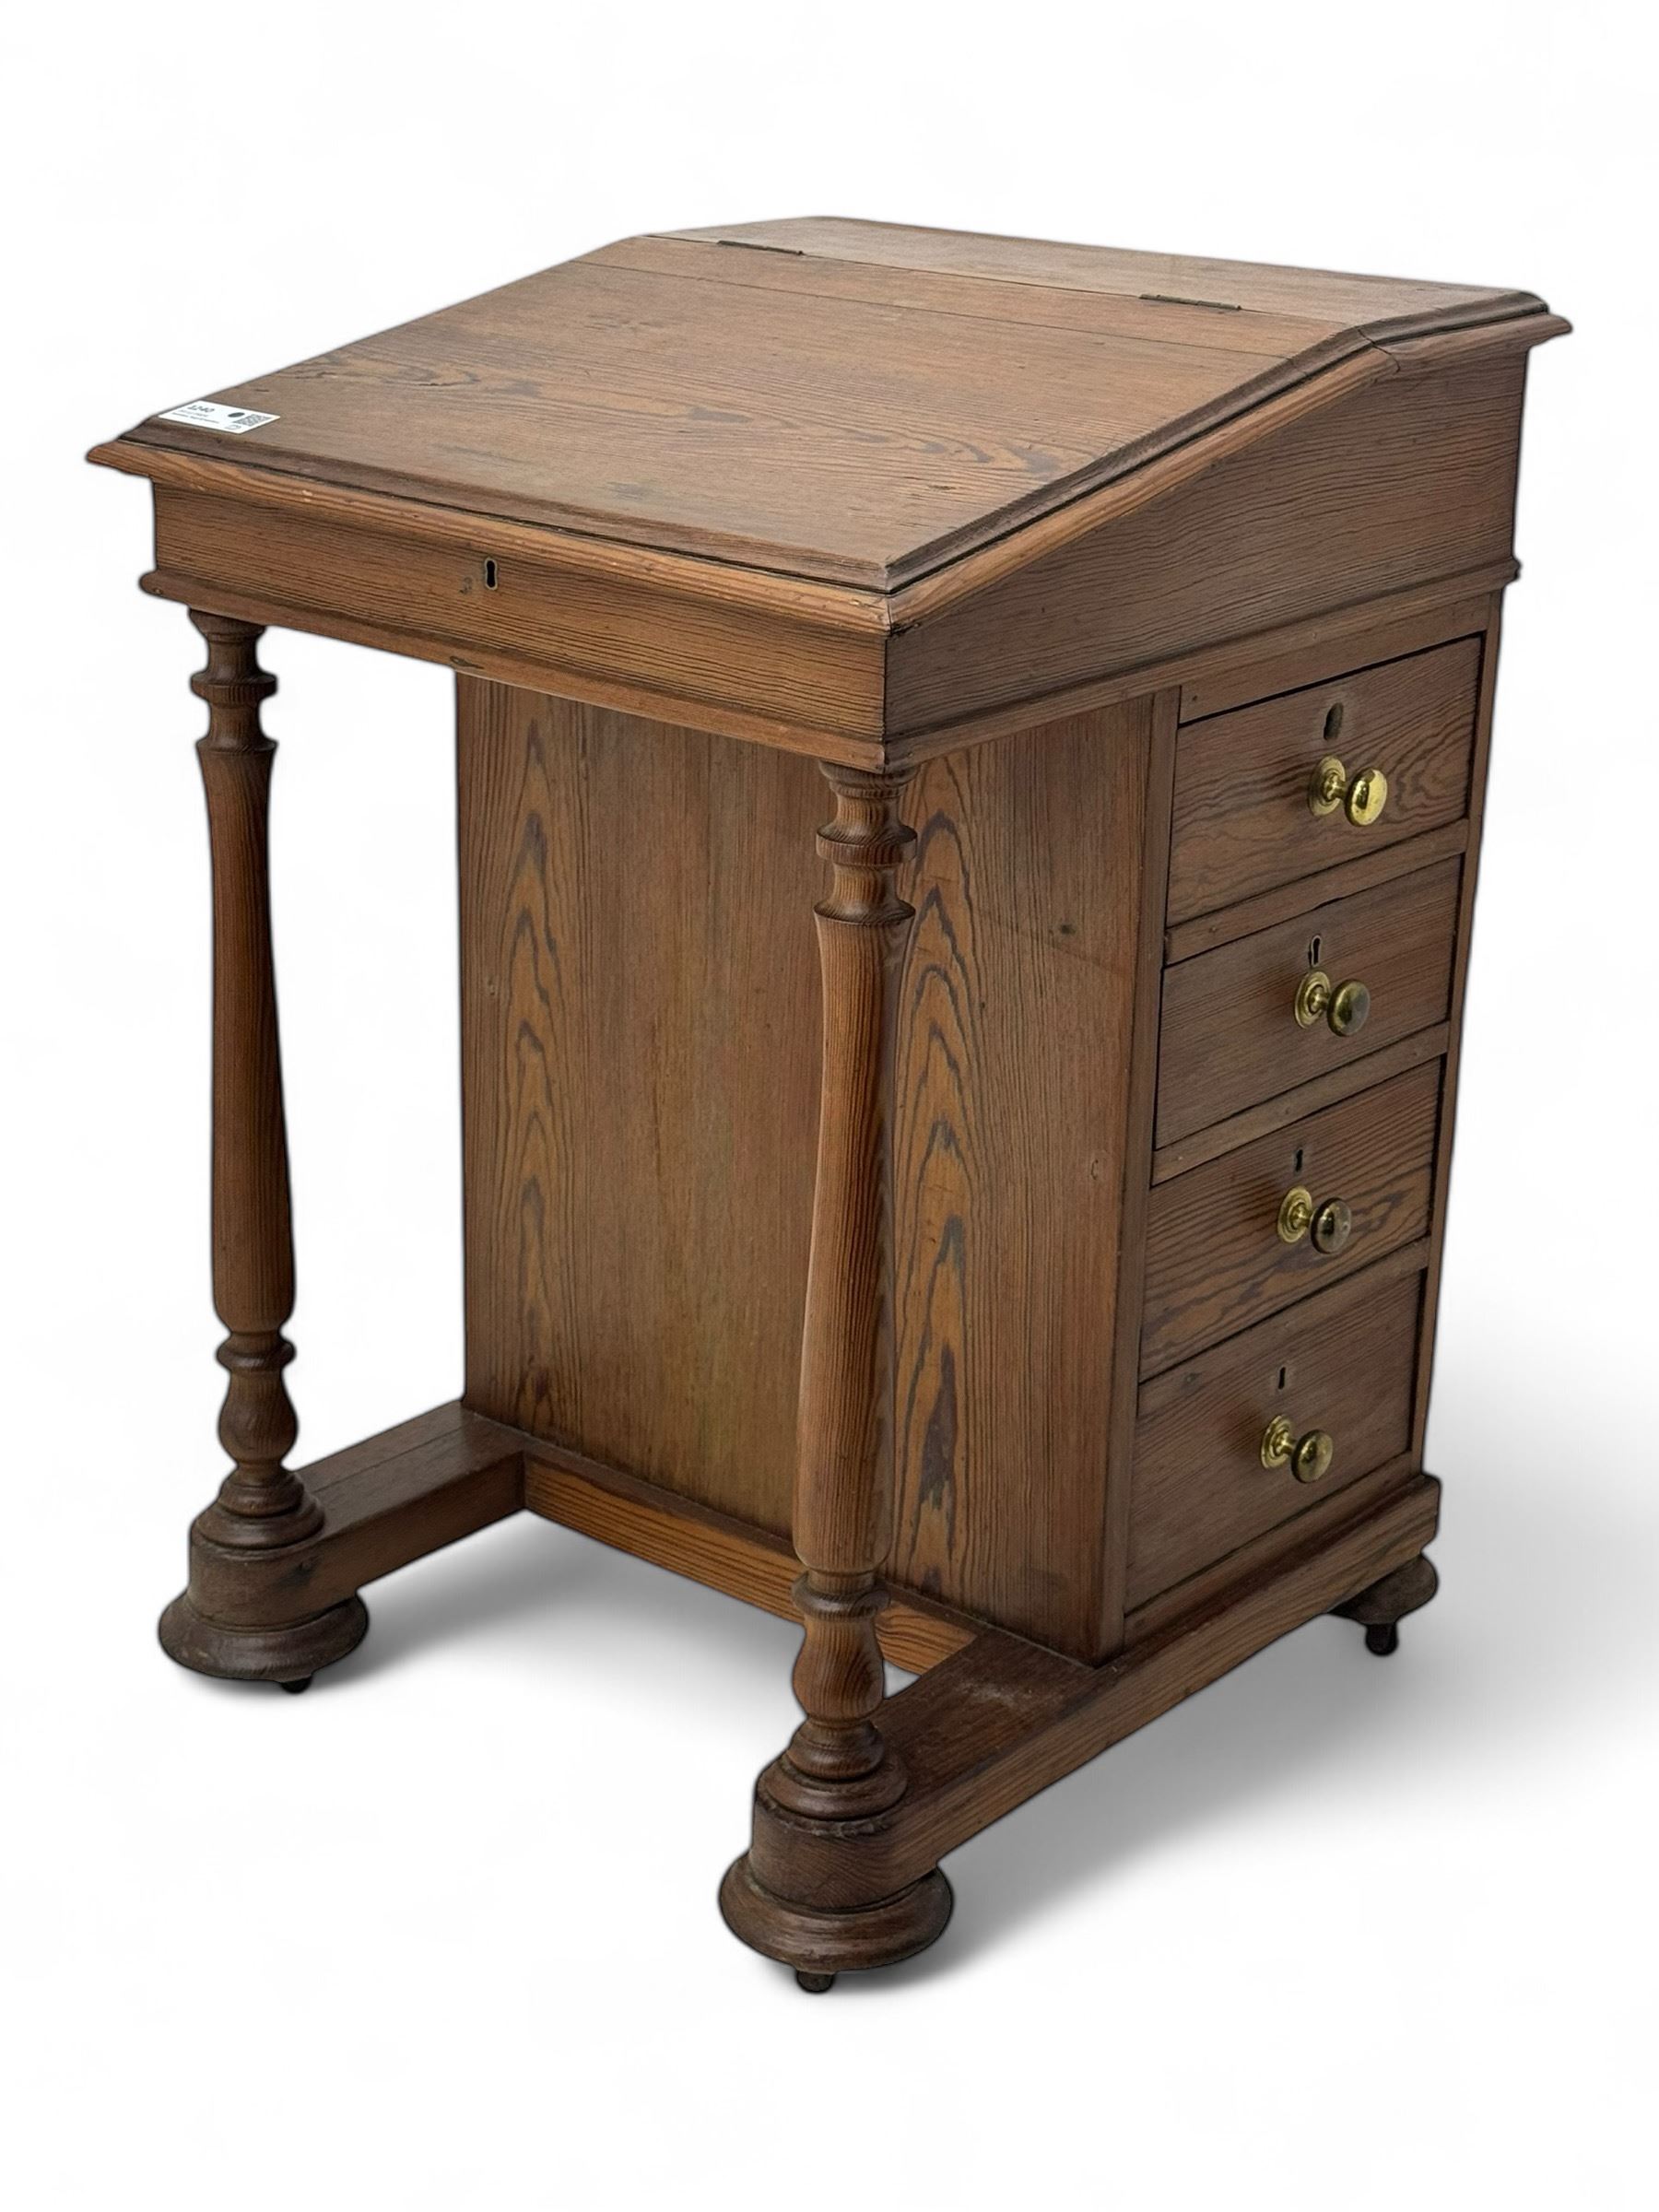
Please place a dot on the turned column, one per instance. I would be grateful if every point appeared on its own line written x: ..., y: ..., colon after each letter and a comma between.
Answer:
x: 262, y: 1504
x: 837, y: 1768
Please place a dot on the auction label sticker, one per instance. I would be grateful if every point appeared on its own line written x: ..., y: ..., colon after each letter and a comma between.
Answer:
x: 210, y: 415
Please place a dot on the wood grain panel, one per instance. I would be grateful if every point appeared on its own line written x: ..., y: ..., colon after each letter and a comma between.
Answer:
x: 1407, y: 479
x: 1262, y: 332
x: 821, y: 429
x: 715, y: 1549
x: 640, y: 1069
x: 1325, y: 1090
x: 996, y: 1722
x: 1242, y: 823
x: 1215, y: 1260
x: 1318, y: 1524
x: 1230, y: 1035
x: 1205, y: 932
x: 1014, y: 1098
x: 836, y: 438
x: 1343, y: 1361
x: 645, y: 631
x: 1460, y: 976
x: 640, y: 1079
x: 1383, y: 306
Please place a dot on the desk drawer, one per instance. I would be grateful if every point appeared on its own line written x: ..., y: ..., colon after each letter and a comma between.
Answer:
x: 1216, y: 1257
x: 1230, y: 1036
x: 1343, y: 1362
x: 1242, y: 822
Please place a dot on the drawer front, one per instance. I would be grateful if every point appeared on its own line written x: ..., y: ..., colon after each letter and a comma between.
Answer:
x: 1343, y: 1362
x: 1229, y: 1037
x: 1216, y: 1260
x: 1242, y: 823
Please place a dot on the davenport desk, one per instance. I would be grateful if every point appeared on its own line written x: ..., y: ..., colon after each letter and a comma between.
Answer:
x: 999, y: 1223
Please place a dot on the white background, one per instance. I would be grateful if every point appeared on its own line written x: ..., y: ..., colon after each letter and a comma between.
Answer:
x: 442, y: 1933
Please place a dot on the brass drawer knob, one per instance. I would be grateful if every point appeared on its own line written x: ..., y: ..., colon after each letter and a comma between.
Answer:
x: 1331, y: 1224
x: 1343, y: 1005
x: 1361, y: 797
x: 1308, y: 1457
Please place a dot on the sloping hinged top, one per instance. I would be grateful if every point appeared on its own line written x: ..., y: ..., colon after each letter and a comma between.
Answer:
x: 857, y: 403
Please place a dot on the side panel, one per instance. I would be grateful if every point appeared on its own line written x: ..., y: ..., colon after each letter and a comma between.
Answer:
x: 641, y: 1014
x: 640, y: 1048
x: 1015, y: 1119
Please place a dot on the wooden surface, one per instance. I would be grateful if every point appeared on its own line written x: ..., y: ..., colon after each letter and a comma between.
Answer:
x: 641, y: 637
x: 1343, y: 1361
x: 841, y: 400
x: 1242, y: 823
x: 1018, y: 1157
x: 1460, y: 980
x: 716, y: 1550
x: 1230, y: 1034
x: 1291, y: 1106
x: 639, y: 1065
x: 990, y: 1727
x: 1379, y: 865
x: 770, y: 660
x: 641, y: 1078
x: 1402, y: 480
x: 1215, y: 1260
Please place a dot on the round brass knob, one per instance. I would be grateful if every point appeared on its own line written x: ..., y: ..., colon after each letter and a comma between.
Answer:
x: 1331, y: 1224
x: 1343, y: 1005
x: 1308, y: 1457
x: 1361, y: 797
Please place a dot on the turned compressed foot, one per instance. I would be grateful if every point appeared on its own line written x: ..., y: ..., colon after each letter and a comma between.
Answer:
x: 815, y: 1984
x: 289, y: 1655
x: 821, y: 1942
x: 1381, y: 1608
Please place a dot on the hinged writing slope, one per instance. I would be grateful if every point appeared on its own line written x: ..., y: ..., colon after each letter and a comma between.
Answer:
x: 868, y: 495
x: 859, y: 410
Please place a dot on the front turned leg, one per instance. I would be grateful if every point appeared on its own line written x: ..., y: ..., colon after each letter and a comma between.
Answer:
x: 1382, y: 1607
x: 244, y: 1613
x: 837, y: 1768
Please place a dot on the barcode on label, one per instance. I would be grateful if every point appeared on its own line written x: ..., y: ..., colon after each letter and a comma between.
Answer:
x: 213, y: 415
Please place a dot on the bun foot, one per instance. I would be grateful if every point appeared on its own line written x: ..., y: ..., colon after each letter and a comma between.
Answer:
x: 1381, y: 1609
x: 289, y: 1655
x: 821, y: 1942
x: 294, y: 1688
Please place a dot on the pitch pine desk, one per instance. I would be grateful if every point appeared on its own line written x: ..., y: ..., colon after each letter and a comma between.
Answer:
x: 1001, y: 1224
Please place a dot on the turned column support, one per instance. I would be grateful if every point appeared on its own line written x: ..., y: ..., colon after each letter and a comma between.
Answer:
x: 837, y: 1767
x: 262, y: 1504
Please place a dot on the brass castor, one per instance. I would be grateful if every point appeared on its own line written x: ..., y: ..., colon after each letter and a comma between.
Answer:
x: 1382, y: 1638
x: 294, y: 1688
x: 815, y: 1984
